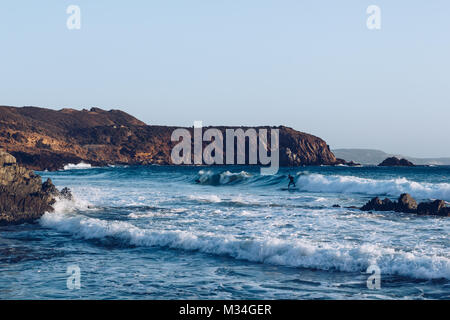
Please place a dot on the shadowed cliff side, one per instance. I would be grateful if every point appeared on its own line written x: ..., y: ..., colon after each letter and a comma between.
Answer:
x: 48, y: 139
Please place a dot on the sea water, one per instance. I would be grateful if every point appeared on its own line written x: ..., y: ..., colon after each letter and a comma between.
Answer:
x: 166, y: 232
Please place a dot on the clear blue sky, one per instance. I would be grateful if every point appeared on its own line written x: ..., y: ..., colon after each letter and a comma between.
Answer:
x: 312, y: 65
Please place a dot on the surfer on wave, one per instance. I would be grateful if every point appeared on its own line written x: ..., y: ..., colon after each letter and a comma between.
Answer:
x: 291, y: 181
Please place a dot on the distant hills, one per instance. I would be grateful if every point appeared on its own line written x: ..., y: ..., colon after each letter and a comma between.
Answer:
x: 374, y: 157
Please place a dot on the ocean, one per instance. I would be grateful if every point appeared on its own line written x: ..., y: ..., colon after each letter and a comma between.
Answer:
x: 166, y: 232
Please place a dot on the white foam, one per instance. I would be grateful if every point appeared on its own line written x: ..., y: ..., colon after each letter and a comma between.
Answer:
x: 391, y: 187
x: 212, y: 198
x: 79, y: 166
x: 293, y: 253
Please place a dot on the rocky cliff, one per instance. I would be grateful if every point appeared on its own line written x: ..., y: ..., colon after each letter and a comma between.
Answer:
x: 48, y: 139
x: 23, y: 196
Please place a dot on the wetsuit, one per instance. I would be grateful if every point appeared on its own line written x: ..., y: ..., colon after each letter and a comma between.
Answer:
x: 291, y: 181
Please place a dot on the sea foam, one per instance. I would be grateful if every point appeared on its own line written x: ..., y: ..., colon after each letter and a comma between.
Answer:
x: 293, y: 253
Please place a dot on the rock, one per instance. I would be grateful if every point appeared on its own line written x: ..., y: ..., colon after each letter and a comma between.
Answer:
x: 444, y: 212
x: 406, y: 204
x: 6, y: 159
x: 377, y: 204
x: 23, y: 196
x: 430, y: 208
x: 49, y: 187
x: 66, y: 194
x: 336, y: 206
x: 396, y: 162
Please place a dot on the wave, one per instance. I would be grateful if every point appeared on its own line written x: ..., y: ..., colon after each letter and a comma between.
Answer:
x: 79, y: 166
x: 391, y: 187
x: 314, y: 182
x: 226, y: 177
x: 293, y: 253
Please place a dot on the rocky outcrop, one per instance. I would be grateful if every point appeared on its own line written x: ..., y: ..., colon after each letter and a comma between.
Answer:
x: 408, y: 204
x: 23, y: 196
x: 48, y: 139
x: 396, y: 162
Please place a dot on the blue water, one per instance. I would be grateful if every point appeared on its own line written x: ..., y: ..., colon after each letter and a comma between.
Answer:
x: 153, y: 232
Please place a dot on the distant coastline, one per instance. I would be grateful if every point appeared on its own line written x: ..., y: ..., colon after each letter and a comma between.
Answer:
x: 374, y: 157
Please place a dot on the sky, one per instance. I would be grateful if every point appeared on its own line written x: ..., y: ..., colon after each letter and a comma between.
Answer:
x: 311, y: 65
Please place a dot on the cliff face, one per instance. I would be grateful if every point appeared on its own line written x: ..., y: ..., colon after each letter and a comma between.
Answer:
x: 48, y: 139
x: 23, y: 196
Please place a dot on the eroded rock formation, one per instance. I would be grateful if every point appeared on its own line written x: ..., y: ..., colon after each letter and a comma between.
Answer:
x: 23, y: 196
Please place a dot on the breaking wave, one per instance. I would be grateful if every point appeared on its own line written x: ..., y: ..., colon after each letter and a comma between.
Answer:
x: 79, y: 166
x: 391, y: 187
x: 226, y: 177
x: 293, y: 253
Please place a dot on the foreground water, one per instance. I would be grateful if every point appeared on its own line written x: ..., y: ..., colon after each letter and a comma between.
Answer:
x: 228, y: 233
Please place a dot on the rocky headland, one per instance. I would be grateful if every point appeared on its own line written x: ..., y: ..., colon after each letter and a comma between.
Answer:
x: 48, y: 139
x: 23, y: 196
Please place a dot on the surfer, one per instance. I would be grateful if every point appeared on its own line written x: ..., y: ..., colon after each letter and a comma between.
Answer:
x: 291, y: 181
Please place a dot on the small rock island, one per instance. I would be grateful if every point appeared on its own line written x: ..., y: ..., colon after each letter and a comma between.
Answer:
x: 396, y: 162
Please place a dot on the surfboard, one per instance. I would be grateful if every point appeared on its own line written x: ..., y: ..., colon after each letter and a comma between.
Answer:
x: 290, y: 189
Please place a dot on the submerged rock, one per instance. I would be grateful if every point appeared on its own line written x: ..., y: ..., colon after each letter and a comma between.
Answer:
x: 23, y: 196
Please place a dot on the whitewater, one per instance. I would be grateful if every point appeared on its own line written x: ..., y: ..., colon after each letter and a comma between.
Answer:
x: 156, y: 232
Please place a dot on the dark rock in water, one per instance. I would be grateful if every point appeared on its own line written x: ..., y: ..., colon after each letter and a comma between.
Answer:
x: 430, y: 208
x: 336, y: 206
x: 66, y: 194
x: 396, y: 162
x: 23, y: 196
x: 406, y: 204
x: 379, y: 205
x: 444, y: 212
